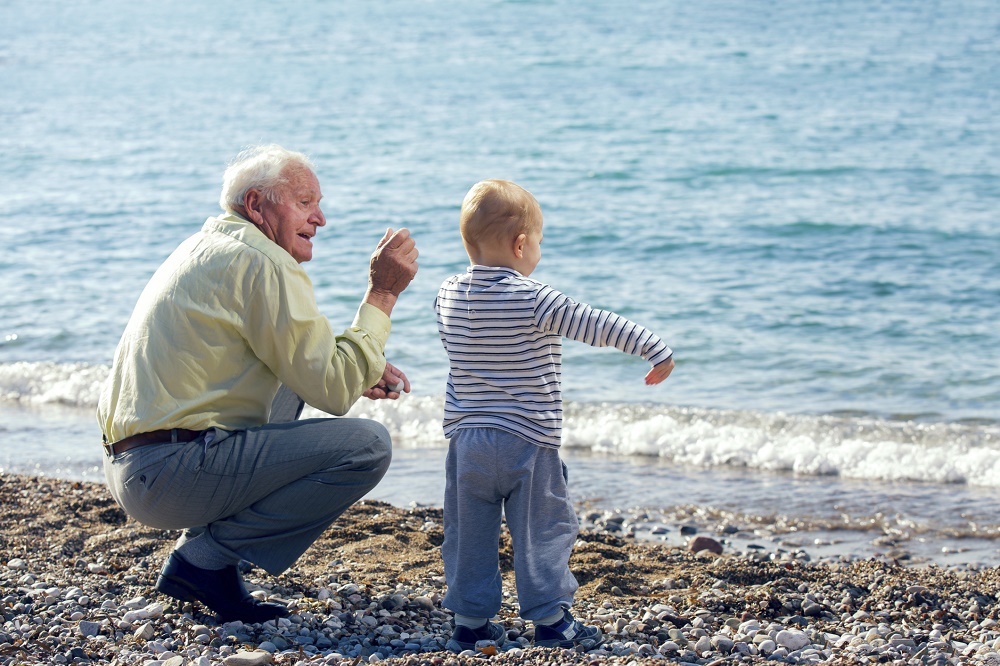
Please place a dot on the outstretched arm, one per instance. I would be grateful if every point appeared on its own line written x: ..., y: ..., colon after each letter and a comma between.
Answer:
x: 560, y: 314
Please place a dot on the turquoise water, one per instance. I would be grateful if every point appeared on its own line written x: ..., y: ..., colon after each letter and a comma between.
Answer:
x: 801, y: 198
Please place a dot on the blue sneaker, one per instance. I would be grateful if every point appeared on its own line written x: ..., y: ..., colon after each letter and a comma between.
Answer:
x: 464, y: 638
x: 567, y: 633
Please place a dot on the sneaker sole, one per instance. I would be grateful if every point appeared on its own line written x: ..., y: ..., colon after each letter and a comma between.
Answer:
x: 588, y: 643
x: 456, y: 647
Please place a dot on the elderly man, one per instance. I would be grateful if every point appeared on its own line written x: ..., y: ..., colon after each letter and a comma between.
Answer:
x: 199, y: 414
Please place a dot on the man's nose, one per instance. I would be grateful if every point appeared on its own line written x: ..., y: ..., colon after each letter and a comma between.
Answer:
x: 319, y: 219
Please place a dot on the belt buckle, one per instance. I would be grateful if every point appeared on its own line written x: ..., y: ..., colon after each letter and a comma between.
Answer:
x: 108, y: 451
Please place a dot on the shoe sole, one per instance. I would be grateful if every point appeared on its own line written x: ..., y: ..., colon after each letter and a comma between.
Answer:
x: 176, y: 588
x: 587, y: 643
x: 456, y: 647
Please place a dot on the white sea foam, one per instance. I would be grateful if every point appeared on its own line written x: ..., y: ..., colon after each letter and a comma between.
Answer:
x: 847, y: 446
x: 851, y: 447
x: 859, y: 447
x: 37, y: 384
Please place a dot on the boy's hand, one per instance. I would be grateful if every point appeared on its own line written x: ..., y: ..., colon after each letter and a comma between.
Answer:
x: 660, y: 372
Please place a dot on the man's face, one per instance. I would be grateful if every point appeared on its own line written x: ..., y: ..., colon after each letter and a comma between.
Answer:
x: 294, y: 220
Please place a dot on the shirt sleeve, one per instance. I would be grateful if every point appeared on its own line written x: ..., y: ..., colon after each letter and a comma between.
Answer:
x: 557, y: 313
x: 286, y: 331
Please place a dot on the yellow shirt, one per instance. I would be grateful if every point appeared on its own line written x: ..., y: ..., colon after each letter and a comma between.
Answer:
x: 226, y: 318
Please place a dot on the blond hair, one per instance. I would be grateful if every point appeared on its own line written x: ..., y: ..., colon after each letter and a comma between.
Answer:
x: 497, y: 211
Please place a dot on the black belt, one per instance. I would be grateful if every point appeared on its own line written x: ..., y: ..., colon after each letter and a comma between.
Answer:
x: 154, y: 437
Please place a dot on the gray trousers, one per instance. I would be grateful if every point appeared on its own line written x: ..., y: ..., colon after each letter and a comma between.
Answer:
x: 490, y: 472
x: 264, y: 494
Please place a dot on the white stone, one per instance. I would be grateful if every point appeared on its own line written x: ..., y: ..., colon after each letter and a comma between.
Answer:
x: 156, y: 647
x: 246, y: 658
x: 135, y: 603
x: 145, y: 632
x: 154, y: 610
x: 722, y: 644
x: 791, y: 639
x: 136, y: 616
x: 16, y: 564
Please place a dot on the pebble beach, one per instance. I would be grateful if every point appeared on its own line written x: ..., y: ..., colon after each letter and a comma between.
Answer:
x: 76, y: 579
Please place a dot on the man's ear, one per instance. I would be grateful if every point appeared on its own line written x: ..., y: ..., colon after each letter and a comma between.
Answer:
x: 519, y: 245
x: 252, y: 201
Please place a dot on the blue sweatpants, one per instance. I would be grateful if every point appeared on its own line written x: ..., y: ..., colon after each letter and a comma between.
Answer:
x: 490, y: 473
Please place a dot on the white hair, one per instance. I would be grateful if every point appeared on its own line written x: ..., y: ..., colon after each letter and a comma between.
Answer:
x: 260, y: 168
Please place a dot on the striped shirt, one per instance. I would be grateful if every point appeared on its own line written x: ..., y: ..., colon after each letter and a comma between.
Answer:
x: 503, y: 335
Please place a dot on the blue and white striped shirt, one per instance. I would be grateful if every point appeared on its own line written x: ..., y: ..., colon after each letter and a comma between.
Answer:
x: 503, y: 334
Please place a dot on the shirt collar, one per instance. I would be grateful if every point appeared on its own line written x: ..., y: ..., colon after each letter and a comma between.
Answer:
x: 492, y: 272
x: 245, y: 231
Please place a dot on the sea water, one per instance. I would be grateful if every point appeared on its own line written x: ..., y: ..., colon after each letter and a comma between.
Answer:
x: 801, y: 198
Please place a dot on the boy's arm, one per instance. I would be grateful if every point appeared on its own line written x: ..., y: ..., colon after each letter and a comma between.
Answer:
x: 560, y: 314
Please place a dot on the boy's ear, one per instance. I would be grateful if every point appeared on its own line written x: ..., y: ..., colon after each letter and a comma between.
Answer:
x: 519, y: 245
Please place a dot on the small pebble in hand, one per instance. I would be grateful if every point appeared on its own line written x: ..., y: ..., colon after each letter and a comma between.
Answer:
x: 397, y: 387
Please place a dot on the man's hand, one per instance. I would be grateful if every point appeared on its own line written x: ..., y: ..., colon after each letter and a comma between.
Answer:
x: 392, y: 384
x: 392, y: 267
x: 660, y: 372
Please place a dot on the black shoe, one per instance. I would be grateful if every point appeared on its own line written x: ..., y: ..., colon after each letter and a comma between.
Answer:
x: 221, y: 590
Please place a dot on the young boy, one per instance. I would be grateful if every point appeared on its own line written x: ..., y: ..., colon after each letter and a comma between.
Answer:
x: 503, y: 414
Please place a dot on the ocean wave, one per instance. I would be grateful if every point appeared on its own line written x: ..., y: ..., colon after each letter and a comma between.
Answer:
x: 858, y: 447
x: 850, y: 445
x: 855, y: 446
x: 46, y: 383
